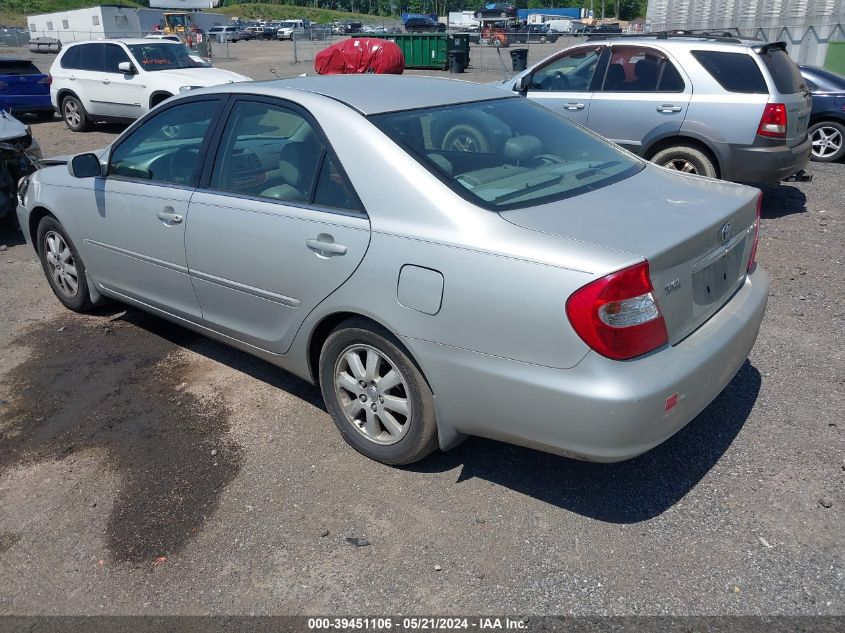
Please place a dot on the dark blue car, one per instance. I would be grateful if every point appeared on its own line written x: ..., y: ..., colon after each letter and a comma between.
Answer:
x: 24, y: 89
x: 827, y: 122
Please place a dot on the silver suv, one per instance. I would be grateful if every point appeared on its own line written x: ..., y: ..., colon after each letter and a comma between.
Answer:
x: 711, y: 105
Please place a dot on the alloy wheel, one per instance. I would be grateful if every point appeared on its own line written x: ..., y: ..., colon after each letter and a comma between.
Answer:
x: 681, y: 164
x: 827, y: 140
x: 61, y: 264
x: 72, y: 114
x: 373, y: 394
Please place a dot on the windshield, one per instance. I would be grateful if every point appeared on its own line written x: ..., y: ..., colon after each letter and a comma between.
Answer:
x: 165, y: 56
x: 508, y: 153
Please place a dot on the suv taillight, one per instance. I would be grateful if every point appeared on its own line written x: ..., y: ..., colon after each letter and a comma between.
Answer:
x: 773, y: 121
x: 46, y: 80
x: 752, y: 260
x: 617, y: 315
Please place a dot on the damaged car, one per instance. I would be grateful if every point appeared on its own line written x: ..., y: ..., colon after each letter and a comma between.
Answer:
x: 18, y: 153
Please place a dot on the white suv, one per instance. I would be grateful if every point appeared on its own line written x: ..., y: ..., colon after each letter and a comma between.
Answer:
x: 122, y: 80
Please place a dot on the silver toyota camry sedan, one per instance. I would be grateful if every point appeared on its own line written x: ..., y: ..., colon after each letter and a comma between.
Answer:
x: 443, y: 258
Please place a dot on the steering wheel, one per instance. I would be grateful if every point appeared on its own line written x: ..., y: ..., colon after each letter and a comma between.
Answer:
x: 550, y: 159
x: 559, y: 81
x: 181, y: 164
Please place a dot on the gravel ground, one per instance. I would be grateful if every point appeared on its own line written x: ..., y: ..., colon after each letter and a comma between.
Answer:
x: 147, y: 470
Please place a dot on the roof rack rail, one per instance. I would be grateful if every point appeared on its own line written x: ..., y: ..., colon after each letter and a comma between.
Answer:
x: 722, y: 36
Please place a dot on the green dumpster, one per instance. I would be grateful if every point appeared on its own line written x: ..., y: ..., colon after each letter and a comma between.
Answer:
x: 429, y: 50
x: 835, y: 60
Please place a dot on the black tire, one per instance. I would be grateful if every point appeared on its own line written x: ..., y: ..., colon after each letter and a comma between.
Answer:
x: 835, y: 133
x: 465, y: 137
x: 419, y: 430
x: 74, y: 114
x: 79, y: 301
x: 686, y: 159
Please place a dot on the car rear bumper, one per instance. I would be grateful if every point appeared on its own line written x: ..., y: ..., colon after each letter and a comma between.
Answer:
x: 762, y: 163
x: 600, y: 410
x: 25, y: 104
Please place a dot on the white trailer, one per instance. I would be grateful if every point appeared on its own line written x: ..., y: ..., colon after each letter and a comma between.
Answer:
x: 462, y: 20
x: 87, y: 24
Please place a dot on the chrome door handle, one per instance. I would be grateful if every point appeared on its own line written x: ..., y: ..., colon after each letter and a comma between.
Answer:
x: 666, y: 107
x: 325, y: 245
x: 169, y: 217
x: 107, y: 81
x: 573, y: 106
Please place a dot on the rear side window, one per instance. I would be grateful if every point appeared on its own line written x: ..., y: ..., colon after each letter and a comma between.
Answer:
x: 71, y: 58
x: 735, y: 72
x: 638, y: 69
x: 17, y: 67
x: 785, y: 73
x: 90, y: 57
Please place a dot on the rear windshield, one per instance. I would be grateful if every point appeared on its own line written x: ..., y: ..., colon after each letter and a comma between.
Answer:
x: 735, y: 72
x: 787, y: 77
x: 508, y: 153
x: 17, y: 67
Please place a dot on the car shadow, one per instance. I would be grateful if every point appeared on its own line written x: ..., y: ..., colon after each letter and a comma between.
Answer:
x: 627, y: 492
x: 780, y: 200
x: 248, y: 364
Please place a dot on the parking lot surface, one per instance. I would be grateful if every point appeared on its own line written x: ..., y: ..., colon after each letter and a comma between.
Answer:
x: 145, y: 469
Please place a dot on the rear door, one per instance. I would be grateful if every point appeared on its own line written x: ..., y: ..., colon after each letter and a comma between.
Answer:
x: 275, y: 226
x: 642, y: 96
x: 565, y: 83
x: 789, y: 89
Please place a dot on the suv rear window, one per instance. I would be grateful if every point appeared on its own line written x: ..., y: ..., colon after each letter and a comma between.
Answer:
x: 787, y: 77
x: 735, y: 72
x: 17, y: 67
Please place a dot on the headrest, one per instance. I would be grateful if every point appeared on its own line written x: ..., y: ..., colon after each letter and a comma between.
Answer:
x: 523, y: 147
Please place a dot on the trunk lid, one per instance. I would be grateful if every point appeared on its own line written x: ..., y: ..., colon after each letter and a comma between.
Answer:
x: 696, y: 234
x: 20, y: 77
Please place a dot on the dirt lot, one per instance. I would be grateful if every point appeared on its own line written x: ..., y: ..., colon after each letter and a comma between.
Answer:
x: 145, y: 469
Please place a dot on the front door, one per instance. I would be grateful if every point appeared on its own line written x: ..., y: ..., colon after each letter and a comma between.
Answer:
x: 565, y: 83
x: 134, y: 228
x: 275, y: 226
x: 642, y: 97
x: 119, y: 94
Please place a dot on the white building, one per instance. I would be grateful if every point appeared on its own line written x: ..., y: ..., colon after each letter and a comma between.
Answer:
x: 805, y: 25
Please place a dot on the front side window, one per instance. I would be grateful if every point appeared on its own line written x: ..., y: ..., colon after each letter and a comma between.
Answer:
x: 641, y: 69
x: 165, y: 147
x: 113, y: 56
x: 158, y: 55
x: 507, y: 153
x: 269, y: 151
x: 572, y: 72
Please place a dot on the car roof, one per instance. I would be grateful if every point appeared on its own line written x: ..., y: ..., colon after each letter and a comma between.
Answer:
x: 376, y: 94
x: 127, y: 40
x: 681, y: 42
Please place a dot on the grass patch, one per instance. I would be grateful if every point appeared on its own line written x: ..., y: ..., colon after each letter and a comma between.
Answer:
x: 253, y: 11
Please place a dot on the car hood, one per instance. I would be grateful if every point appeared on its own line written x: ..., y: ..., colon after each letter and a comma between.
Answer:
x: 201, y: 76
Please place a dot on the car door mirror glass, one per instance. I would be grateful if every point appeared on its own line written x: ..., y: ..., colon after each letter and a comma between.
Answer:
x: 85, y: 166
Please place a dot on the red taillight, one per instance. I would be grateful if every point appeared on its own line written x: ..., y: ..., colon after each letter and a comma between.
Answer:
x: 773, y: 121
x: 46, y: 80
x: 752, y: 261
x: 617, y: 315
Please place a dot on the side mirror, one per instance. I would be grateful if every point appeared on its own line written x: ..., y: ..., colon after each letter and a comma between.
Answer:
x: 126, y: 68
x: 85, y: 166
x: 522, y: 84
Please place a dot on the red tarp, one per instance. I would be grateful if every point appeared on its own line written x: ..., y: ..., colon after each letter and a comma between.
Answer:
x: 360, y: 55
